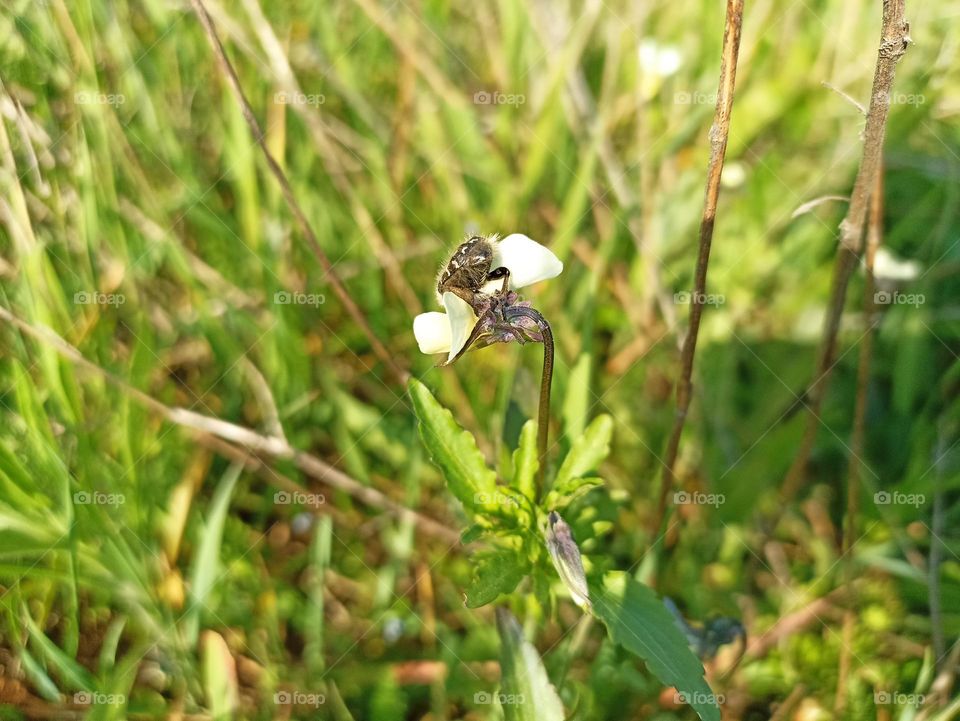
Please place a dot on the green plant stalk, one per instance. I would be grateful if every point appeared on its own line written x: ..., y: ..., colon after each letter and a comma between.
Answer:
x: 546, y: 383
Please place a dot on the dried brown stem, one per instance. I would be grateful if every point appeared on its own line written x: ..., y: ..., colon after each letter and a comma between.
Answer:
x: 244, y: 440
x: 719, y: 133
x: 895, y: 37
x: 351, y: 307
x: 857, y: 440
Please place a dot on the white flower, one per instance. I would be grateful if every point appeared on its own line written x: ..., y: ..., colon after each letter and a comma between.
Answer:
x: 887, y: 266
x: 660, y: 60
x: 657, y: 62
x: 528, y: 263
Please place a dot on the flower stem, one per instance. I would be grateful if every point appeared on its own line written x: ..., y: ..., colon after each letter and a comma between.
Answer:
x: 546, y: 382
x: 543, y: 414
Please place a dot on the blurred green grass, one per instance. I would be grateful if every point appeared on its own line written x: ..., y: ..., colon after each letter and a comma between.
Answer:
x: 128, y: 172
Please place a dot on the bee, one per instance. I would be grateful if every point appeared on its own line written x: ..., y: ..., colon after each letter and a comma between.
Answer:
x: 470, y: 268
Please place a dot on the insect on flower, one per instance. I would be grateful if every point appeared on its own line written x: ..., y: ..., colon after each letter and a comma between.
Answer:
x: 476, y: 286
x: 469, y: 270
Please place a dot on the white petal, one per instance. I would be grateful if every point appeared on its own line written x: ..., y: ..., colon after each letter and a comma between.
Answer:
x: 527, y: 260
x: 461, y: 318
x: 887, y: 266
x: 660, y: 60
x: 432, y: 331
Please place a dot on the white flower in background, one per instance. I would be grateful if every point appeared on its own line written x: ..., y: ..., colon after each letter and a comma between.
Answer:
x: 657, y: 62
x: 527, y: 261
x: 887, y: 266
x: 657, y: 59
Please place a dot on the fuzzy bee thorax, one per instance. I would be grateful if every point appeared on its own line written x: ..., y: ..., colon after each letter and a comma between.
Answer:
x: 469, y: 267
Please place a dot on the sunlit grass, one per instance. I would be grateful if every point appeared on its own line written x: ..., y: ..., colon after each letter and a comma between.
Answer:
x: 138, y: 221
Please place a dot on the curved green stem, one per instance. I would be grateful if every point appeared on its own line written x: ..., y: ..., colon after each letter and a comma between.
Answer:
x: 546, y: 382
x: 543, y: 414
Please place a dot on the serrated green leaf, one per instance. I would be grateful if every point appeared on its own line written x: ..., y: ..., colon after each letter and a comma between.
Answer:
x: 588, y: 451
x: 525, y: 461
x: 638, y: 620
x: 495, y: 573
x: 452, y: 449
x: 526, y: 693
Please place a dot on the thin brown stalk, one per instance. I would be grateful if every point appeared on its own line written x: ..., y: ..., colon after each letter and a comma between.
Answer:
x: 857, y: 440
x: 895, y: 37
x: 543, y: 410
x: 546, y: 383
x: 719, y: 133
x: 343, y: 294
x: 244, y: 440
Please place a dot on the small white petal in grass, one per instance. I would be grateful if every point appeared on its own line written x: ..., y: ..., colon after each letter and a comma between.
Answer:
x: 661, y: 60
x: 432, y: 331
x: 887, y: 266
x: 527, y: 260
x: 657, y: 62
x: 461, y: 318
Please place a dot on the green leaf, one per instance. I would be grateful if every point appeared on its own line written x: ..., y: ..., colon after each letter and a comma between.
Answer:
x: 576, y: 403
x: 452, y: 449
x: 68, y: 670
x: 473, y: 533
x: 205, y: 568
x: 525, y: 461
x: 219, y: 676
x: 636, y: 619
x: 567, y: 491
x: 387, y: 699
x: 526, y: 693
x: 495, y: 573
x: 36, y: 674
x: 588, y: 451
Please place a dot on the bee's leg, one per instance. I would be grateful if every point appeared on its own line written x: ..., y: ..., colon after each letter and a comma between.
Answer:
x: 501, y: 272
x: 465, y: 294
